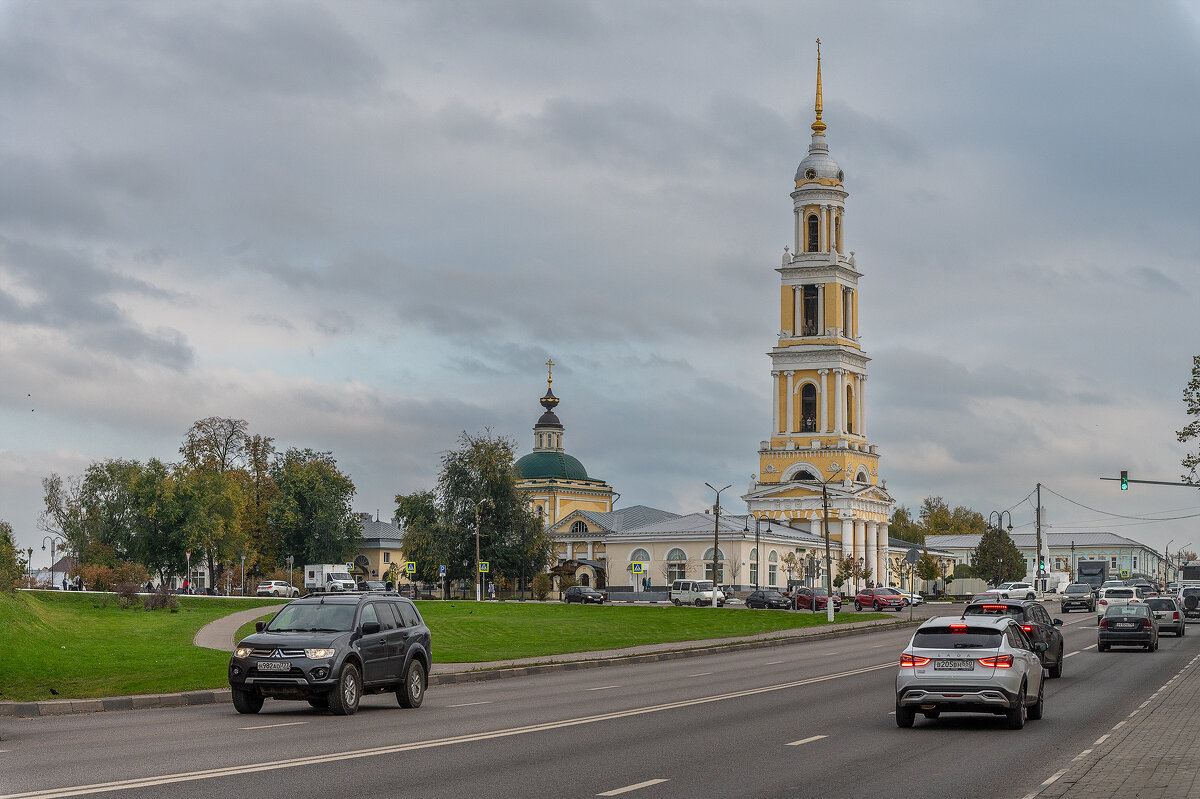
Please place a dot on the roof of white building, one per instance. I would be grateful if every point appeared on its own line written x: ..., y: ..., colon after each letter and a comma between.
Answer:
x: 1082, y: 540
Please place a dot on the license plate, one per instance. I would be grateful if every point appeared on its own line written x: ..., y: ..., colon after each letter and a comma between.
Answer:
x: 1126, y: 626
x: 954, y: 665
x: 274, y: 665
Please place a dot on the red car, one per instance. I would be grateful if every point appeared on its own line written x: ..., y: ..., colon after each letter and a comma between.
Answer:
x: 802, y: 599
x: 879, y: 599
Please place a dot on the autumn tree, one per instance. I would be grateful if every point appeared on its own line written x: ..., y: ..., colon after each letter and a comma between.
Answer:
x: 417, y: 517
x: 902, y: 525
x: 311, y: 510
x: 1191, y: 431
x: 11, y: 564
x: 215, y: 444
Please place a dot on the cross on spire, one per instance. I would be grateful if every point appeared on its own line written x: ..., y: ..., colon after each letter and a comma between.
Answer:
x: 549, y: 371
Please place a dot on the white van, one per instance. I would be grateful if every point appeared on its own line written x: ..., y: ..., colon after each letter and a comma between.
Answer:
x: 695, y: 592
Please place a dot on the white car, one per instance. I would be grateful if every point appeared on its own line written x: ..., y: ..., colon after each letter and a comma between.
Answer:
x: 1015, y: 591
x: 914, y: 597
x: 277, y: 588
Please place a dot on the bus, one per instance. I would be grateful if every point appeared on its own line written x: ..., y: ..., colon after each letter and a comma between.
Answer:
x: 1189, y: 573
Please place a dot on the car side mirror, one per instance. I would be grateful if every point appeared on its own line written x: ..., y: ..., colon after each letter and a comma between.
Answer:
x: 1058, y: 622
x: 1040, y: 646
x: 370, y: 627
x: 259, y: 626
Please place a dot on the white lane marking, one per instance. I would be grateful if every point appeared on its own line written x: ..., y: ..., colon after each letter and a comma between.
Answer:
x: 810, y: 740
x: 1143, y: 704
x: 834, y: 652
x: 1086, y: 648
x: 773, y: 662
x: 700, y: 674
x: 628, y: 788
x: 1076, y: 652
x: 354, y: 754
x: 1134, y: 713
x: 469, y: 704
x: 1054, y: 778
x: 891, y: 712
x: 602, y: 688
x: 1118, y: 726
x: 269, y: 726
x: 1102, y: 739
x: 1081, y: 755
x: 876, y: 646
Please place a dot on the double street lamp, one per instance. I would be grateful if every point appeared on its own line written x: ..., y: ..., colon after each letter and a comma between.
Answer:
x: 757, y: 546
x: 716, y: 540
x: 825, y: 532
x: 55, y: 542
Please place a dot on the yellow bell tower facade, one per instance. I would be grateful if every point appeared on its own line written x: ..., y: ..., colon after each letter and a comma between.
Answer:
x: 819, y: 374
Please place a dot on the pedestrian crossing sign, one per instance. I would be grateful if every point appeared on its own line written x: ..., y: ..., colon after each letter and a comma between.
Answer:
x: 483, y: 566
x: 410, y: 567
x: 638, y: 568
x: 1124, y: 574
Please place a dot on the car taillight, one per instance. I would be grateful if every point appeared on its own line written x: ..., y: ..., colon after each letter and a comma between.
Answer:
x: 1146, y: 625
x: 1103, y: 601
x: 1175, y: 615
x: 912, y: 661
x: 958, y: 628
x: 1104, y: 624
x: 1027, y: 628
x: 997, y: 662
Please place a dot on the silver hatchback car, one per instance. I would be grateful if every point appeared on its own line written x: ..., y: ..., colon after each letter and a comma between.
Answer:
x: 980, y: 664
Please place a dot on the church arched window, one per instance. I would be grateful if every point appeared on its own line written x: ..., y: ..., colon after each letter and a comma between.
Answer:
x: 837, y: 233
x: 861, y: 477
x: 808, y: 408
x: 579, y: 527
x: 804, y: 474
x: 814, y: 233
x: 849, y: 409
x: 640, y: 555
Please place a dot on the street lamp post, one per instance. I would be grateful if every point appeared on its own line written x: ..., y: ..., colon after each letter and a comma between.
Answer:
x: 716, y: 539
x: 825, y: 532
x: 999, y: 525
x: 858, y: 575
x: 478, y: 573
x: 757, y: 547
x: 29, y: 567
x: 243, y: 591
x: 55, y: 541
x: 290, y: 561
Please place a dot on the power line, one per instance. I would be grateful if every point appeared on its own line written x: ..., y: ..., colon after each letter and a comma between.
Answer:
x: 1120, y: 515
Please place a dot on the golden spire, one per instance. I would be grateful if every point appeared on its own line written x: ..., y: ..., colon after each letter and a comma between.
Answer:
x: 549, y: 372
x: 818, y: 126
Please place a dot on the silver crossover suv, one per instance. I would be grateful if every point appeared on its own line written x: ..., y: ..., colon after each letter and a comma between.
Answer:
x: 976, y: 664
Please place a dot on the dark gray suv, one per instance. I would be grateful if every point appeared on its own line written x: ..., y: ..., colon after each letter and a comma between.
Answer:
x: 330, y: 650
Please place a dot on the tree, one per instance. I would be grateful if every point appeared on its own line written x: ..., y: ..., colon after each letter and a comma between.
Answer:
x: 209, y: 503
x: 903, y: 526
x: 258, y: 493
x: 214, y: 444
x: 312, y: 510
x: 417, y: 516
x: 1191, y: 431
x: 11, y: 565
x: 927, y: 567
x: 158, y: 540
x: 997, y: 558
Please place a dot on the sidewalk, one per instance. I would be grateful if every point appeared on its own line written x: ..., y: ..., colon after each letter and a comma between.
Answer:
x: 1153, y: 754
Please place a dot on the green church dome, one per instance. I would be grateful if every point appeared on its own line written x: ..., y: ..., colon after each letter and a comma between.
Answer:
x: 550, y: 465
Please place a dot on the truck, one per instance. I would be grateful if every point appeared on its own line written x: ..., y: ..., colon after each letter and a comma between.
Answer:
x: 327, y: 578
x: 1092, y: 572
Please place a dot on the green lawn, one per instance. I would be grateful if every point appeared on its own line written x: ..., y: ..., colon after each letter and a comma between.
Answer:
x: 81, y: 647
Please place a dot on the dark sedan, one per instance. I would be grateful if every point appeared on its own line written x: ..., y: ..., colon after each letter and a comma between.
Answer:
x: 1128, y: 625
x: 1035, y: 622
x: 583, y: 595
x: 768, y: 599
x: 1078, y: 596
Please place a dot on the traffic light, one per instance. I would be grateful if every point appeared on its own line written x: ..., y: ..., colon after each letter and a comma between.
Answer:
x: 1041, y: 564
x: 1124, y: 481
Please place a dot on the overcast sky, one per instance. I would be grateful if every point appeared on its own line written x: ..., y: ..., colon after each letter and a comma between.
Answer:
x: 364, y: 227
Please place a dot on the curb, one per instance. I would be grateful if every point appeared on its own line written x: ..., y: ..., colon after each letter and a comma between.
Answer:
x: 65, y: 707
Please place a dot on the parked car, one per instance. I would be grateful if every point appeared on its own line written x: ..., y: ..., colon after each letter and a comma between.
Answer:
x: 695, y: 592
x: 1168, y: 614
x: 980, y: 664
x: 879, y: 599
x: 1189, y: 600
x: 1078, y: 595
x: 768, y: 598
x: 372, y: 585
x: 584, y: 595
x: 1116, y: 596
x: 1035, y: 623
x: 1015, y: 591
x: 803, y: 598
x: 1127, y: 625
x: 912, y: 597
x: 277, y: 588
x: 330, y: 650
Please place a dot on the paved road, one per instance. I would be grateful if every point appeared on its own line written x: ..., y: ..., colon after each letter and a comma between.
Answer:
x: 809, y: 719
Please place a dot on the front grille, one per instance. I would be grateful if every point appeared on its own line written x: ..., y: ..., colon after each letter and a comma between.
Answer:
x: 283, y: 653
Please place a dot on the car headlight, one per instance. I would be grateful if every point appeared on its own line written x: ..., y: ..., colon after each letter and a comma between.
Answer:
x: 242, y: 651
x: 318, y: 654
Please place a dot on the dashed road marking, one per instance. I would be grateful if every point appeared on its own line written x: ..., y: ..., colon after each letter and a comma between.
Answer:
x: 774, y: 662
x: 1076, y: 652
x: 1086, y: 648
x: 602, y: 688
x: 1118, y: 726
x: 469, y: 704
x: 700, y: 674
x: 1081, y: 755
x: 810, y: 740
x: 1102, y: 739
x: 269, y: 726
x: 628, y: 788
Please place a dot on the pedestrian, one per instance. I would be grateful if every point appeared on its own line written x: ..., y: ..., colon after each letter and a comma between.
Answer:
x: 65, y: 583
x: 491, y: 590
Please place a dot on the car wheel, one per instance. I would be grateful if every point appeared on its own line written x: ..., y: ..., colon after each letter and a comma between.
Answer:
x: 875, y: 605
x: 857, y: 606
x: 1030, y: 595
x: 412, y: 692
x: 1035, y: 712
x: 1056, y: 669
x: 343, y: 700
x: 1016, y: 715
x: 905, y: 716
x: 319, y: 702
x: 247, y: 701
x: 677, y: 602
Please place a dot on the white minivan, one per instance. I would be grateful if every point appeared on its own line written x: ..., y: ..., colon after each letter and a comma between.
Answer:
x: 695, y: 592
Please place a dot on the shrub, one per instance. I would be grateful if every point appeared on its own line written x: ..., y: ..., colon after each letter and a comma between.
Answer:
x: 127, y: 595
x: 108, y: 578
x: 566, y: 581
x: 162, y: 598
x: 541, y: 586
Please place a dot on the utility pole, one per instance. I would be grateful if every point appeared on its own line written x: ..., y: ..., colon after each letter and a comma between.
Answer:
x: 1038, y: 558
x: 716, y: 539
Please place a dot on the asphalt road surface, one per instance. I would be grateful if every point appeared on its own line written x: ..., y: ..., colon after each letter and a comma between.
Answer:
x: 812, y: 719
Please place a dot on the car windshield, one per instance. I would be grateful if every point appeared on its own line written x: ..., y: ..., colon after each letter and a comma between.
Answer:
x: 953, y: 638
x: 1132, y: 611
x: 704, y: 585
x: 1162, y: 603
x: 1119, y: 593
x: 1078, y: 589
x: 312, y: 617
